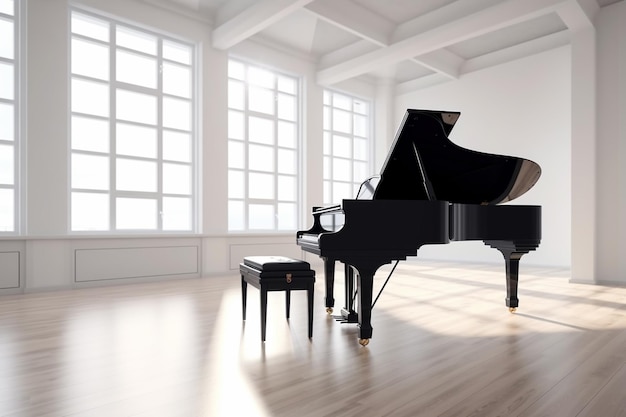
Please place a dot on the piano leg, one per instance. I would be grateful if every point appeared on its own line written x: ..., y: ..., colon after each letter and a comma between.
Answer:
x: 365, y: 287
x: 512, y: 277
x: 512, y: 252
x: 329, y: 278
x: 348, y: 315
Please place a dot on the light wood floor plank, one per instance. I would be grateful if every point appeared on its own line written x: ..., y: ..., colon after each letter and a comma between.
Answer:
x: 443, y: 344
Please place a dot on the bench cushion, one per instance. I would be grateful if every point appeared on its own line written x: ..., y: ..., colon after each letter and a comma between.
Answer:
x: 276, y: 264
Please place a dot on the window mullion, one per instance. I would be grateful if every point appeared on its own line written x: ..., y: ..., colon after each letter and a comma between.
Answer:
x: 112, y: 128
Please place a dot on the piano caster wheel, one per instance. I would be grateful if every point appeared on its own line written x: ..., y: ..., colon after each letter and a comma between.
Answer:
x: 364, y: 342
x: 512, y: 310
x: 329, y: 310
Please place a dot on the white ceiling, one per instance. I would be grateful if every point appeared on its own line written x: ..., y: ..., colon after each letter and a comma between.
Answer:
x: 414, y: 42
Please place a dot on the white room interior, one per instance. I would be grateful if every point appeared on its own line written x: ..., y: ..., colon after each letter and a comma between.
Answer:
x: 554, y: 94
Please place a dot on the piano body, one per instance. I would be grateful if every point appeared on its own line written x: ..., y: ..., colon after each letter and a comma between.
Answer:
x: 430, y: 191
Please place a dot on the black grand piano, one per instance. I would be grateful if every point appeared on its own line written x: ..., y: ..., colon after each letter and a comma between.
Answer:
x: 429, y: 191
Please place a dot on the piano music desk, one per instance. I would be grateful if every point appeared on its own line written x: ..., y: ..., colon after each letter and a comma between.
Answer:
x: 277, y: 273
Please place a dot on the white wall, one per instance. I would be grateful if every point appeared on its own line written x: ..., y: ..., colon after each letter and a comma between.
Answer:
x: 521, y: 108
x: 611, y: 145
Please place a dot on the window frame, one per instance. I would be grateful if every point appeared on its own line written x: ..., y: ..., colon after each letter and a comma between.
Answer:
x: 246, y: 200
x: 16, y: 102
x: 329, y: 179
x: 114, y: 192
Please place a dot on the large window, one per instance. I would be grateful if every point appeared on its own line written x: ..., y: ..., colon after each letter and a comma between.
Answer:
x: 9, y: 110
x: 263, y: 143
x: 132, y: 128
x: 347, y: 145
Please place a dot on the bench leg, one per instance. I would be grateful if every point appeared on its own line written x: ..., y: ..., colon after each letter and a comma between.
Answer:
x: 244, y: 296
x: 310, y: 305
x: 263, y: 313
x: 287, y: 302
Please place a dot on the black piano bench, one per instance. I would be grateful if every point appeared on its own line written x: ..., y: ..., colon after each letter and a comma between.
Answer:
x: 276, y: 273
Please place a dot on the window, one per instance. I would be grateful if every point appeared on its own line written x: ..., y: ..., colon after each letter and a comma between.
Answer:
x: 347, y: 145
x: 263, y: 149
x: 132, y: 128
x: 9, y: 115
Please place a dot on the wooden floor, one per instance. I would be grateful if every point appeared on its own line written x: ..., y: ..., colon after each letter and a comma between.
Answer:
x: 443, y: 345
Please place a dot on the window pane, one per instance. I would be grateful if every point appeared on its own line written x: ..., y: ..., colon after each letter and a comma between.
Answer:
x: 236, y: 95
x: 327, y: 146
x: 132, y: 175
x: 260, y: 77
x: 236, y: 70
x: 176, y: 113
x: 90, y: 172
x: 287, y: 85
x: 236, y: 125
x: 133, y: 39
x: 361, y: 107
x: 327, y: 118
x: 342, y: 102
x: 287, y: 161
x: 236, y: 154
x: 286, y: 216
x: 6, y: 34
x: 342, y: 169
x: 327, y: 192
x: 136, y: 107
x: 176, y: 146
x: 176, y: 179
x: 360, y: 126
x: 90, y: 59
x: 261, y: 158
x: 236, y: 215
x: 261, y: 216
x: 6, y: 122
x: 261, y: 130
x: 136, y: 140
x: 287, y: 107
x: 90, y: 97
x: 90, y: 211
x: 176, y: 80
x: 176, y: 213
x: 90, y: 27
x: 261, y: 100
x: 261, y: 186
x: 342, y: 146
x: 6, y: 81
x: 177, y: 52
x: 286, y: 188
x: 360, y: 149
x: 6, y: 164
x: 287, y: 135
x: 360, y: 172
x: 136, y: 69
x: 236, y: 184
x: 7, y: 7
x: 328, y: 169
x: 136, y: 213
x: 342, y: 121
x: 89, y: 134
x: 7, y: 216
x: 342, y: 190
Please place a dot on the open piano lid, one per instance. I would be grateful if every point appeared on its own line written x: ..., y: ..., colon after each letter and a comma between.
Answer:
x: 423, y: 164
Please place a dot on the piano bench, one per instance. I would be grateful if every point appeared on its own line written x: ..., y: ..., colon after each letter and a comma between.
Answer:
x: 276, y: 273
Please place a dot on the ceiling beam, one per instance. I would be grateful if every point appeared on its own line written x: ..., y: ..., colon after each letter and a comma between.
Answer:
x: 442, y: 61
x: 578, y: 14
x: 467, y: 27
x: 253, y: 19
x: 353, y: 18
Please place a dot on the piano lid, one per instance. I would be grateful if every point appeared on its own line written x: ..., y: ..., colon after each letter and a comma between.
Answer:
x: 423, y: 164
